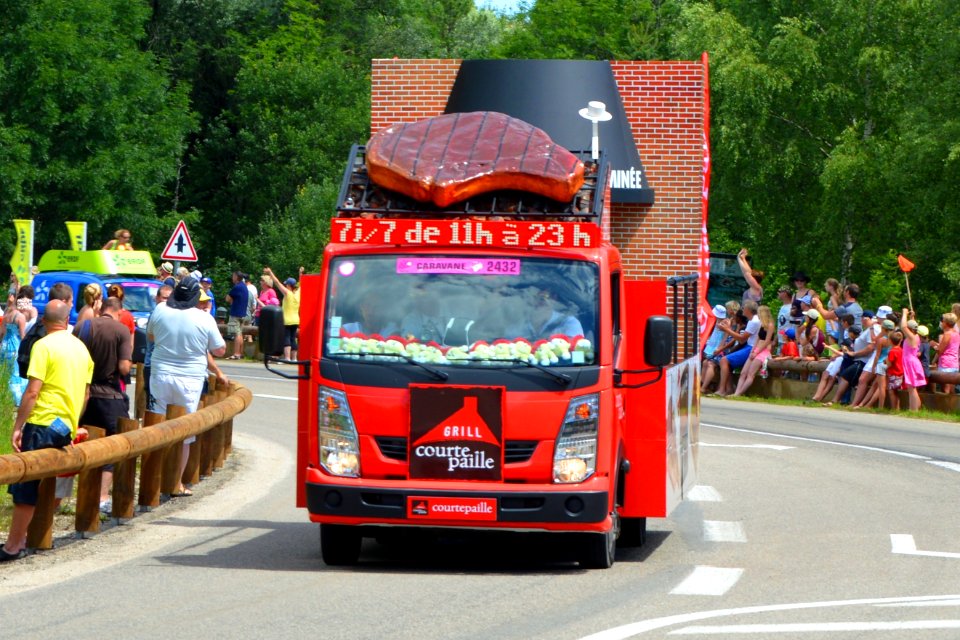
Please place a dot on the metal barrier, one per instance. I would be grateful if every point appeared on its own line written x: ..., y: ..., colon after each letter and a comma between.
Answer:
x: 159, y: 442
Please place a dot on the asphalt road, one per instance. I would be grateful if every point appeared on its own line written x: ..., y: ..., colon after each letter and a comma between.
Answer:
x: 807, y: 523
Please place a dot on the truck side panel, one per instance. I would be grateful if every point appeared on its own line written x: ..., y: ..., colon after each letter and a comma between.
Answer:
x: 311, y: 314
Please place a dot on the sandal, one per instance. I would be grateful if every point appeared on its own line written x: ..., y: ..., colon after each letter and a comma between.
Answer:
x: 233, y: 357
x: 183, y: 493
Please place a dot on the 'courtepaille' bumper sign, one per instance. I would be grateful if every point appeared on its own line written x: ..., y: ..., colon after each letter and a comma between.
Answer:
x: 456, y: 433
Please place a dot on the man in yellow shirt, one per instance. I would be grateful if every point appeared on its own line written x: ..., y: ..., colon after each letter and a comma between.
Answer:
x: 59, y: 384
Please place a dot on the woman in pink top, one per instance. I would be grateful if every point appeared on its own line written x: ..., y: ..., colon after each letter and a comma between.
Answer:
x: 267, y: 296
x: 949, y: 348
x: 913, y: 377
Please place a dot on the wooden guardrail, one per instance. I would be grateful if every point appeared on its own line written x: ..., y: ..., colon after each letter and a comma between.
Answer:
x: 159, y: 445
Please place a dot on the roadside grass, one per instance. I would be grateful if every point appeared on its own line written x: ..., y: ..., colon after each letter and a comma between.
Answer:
x: 922, y: 414
x: 7, y: 413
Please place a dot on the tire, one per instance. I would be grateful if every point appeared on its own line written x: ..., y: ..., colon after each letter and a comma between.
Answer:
x: 598, y: 550
x: 340, y: 544
x: 633, y: 532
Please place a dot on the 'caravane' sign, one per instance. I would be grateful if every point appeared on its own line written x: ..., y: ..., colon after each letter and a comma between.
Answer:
x: 466, y: 233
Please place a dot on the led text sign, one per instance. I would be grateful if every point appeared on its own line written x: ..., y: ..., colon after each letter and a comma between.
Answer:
x: 466, y: 233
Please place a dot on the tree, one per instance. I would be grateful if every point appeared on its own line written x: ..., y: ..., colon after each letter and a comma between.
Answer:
x: 91, y: 128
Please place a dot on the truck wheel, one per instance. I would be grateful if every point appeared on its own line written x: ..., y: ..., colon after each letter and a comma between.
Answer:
x: 598, y: 550
x: 633, y: 532
x: 339, y: 544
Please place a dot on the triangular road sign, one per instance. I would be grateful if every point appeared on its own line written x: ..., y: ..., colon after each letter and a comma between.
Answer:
x: 180, y: 247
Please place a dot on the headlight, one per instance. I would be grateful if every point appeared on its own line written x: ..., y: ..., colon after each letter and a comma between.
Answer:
x: 339, y: 444
x: 575, y: 456
x: 141, y: 322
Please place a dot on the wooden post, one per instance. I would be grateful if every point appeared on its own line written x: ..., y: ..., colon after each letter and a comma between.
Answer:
x: 191, y: 472
x: 125, y: 475
x: 88, y: 494
x: 140, y: 399
x: 40, y: 532
x: 172, y: 456
x: 216, y: 440
x: 150, y: 467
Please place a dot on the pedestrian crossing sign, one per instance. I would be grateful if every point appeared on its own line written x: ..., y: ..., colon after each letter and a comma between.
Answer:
x: 180, y: 247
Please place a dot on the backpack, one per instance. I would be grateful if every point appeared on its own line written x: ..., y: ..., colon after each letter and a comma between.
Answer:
x: 37, y: 331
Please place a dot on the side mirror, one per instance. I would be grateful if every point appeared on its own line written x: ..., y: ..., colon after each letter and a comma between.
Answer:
x: 271, y: 330
x: 658, y: 341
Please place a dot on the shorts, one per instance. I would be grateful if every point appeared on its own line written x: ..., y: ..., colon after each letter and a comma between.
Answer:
x: 834, y: 367
x: 34, y: 437
x: 852, y: 373
x: 104, y: 413
x: 290, y: 335
x: 739, y: 357
x: 235, y: 326
x: 894, y: 383
x: 166, y: 389
x: 882, y: 369
x: 762, y: 356
x: 948, y: 369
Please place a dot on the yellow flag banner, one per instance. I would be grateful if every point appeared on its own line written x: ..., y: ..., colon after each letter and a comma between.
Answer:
x: 23, y: 253
x: 78, y: 235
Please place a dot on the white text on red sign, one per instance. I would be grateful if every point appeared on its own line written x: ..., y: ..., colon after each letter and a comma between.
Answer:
x: 466, y: 233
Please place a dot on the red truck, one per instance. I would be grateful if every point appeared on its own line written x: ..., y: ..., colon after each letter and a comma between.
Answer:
x: 487, y: 365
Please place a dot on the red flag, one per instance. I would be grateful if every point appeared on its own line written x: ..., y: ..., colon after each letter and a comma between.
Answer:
x: 905, y: 265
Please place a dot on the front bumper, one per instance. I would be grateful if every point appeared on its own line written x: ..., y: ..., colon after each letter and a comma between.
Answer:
x: 515, y: 509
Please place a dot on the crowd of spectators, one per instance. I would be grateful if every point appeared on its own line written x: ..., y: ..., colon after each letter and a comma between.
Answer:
x: 873, y: 354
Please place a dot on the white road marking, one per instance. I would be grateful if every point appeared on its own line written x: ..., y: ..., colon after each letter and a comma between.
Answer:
x: 775, y: 447
x: 819, y: 441
x: 267, y: 395
x: 704, y: 493
x: 723, y: 531
x: 904, y: 543
x: 815, y: 627
x: 708, y: 581
x: 636, y: 628
x: 953, y: 466
x: 936, y: 603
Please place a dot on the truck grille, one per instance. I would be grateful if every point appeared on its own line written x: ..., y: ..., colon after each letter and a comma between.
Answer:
x: 516, y: 450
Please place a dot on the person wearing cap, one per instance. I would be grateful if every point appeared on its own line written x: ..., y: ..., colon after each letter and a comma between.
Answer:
x: 206, y: 283
x: 914, y: 376
x: 290, y: 289
x: 849, y: 306
x: 876, y: 391
x: 746, y: 339
x: 183, y: 335
x: 810, y: 335
x: 753, y: 278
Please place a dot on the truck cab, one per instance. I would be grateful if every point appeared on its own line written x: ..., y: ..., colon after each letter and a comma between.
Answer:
x: 483, y: 367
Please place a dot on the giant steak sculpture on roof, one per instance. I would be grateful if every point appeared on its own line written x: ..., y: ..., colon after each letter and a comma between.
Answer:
x: 453, y: 157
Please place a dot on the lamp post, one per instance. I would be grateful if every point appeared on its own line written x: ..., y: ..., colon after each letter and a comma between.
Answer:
x: 595, y: 112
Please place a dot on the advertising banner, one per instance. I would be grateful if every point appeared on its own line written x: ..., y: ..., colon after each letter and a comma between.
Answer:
x: 23, y: 252
x: 456, y: 433
x: 78, y: 235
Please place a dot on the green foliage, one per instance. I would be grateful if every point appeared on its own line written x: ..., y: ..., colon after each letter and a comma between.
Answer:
x: 92, y: 128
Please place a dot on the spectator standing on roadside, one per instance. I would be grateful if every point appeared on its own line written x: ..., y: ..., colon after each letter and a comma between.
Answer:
x: 204, y: 305
x: 948, y: 349
x: 163, y: 293
x: 834, y: 294
x: 753, y: 277
x: 14, y: 328
x: 108, y: 342
x: 913, y: 374
x: 238, y: 299
x: 182, y: 336
x: 165, y: 274
x: 25, y: 305
x: 253, y: 299
x: 923, y: 331
x: 801, y: 281
x: 92, y: 301
x: 877, y: 390
x: 266, y: 298
x: 290, y: 289
x: 48, y: 417
x: 894, y: 370
x: 206, y: 284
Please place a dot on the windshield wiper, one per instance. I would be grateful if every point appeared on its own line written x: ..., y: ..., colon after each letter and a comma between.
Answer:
x: 436, y: 373
x: 562, y: 378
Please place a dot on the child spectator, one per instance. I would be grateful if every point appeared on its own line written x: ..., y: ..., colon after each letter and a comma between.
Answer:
x: 923, y: 331
x: 747, y: 339
x: 760, y: 352
x: 895, y: 369
x: 876, y: 392
x: 810, y: 336
x: 861, y: 352
x: 711, y: 365
x: 789, y: 350
x: 914, y: 376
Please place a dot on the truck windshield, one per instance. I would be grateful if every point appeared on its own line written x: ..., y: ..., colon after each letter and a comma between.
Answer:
x: 462, y: 310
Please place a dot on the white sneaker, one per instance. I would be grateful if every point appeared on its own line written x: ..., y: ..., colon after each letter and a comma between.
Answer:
x: 106, y: 507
